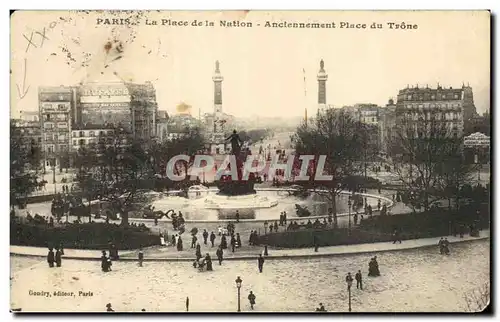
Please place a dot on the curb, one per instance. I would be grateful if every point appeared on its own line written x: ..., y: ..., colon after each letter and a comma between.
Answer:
x: 254, y: 257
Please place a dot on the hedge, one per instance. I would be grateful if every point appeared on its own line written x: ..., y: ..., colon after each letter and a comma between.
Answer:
x: 81, y: 236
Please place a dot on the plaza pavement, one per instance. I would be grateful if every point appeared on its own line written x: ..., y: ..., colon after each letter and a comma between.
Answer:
x: 169, y: 253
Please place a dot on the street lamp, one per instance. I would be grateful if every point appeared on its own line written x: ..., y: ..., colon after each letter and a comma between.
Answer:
x: 476, y: 159
x: 238, y: 285
x: 349, y: 203
x: 348, y: 280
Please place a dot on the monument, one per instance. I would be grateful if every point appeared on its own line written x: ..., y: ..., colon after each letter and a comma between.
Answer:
x: 229, y: 187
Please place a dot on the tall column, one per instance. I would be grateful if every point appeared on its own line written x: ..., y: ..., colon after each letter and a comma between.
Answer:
x: 218, y: 135
x: 322, y: 78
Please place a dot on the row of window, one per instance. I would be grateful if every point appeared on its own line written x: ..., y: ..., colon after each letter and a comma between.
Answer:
x: 431, y: 105
x: 51, y: 125
x: 82, y: 134
x: 436, y: 116
x: 51, y: 148
x: 55, y: 117
x: 433, y: 96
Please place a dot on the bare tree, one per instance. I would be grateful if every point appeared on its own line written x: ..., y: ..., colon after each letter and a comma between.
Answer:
x: 418, y: 151
x: 338, y: 137
x: 477, y: 299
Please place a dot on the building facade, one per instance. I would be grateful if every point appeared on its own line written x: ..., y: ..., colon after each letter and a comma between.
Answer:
x: 162, y: 126
x: 426, y: 110
x: 56, y: 106
x: 387, y: 125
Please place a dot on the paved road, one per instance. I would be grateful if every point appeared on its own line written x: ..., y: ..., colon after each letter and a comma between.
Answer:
x: 411, y: 281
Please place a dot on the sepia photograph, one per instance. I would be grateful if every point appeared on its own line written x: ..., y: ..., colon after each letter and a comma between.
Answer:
x: 250, y: 161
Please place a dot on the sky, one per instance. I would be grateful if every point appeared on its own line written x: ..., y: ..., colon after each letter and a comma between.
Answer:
x: 263, y: 68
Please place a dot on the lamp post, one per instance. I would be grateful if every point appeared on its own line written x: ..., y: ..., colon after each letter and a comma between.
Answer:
x: 238, y: 285
x: 349, y: 203
x: 476, y: 159
x: 348, y: 280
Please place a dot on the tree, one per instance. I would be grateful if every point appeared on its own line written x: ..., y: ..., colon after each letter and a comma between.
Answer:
x: 116, y: 171
x: 478, y: 299
x: 23, y: 157
x: 420, y: 153
x: 190, y: 144
x: 338, y: 137
x: 455, y: 171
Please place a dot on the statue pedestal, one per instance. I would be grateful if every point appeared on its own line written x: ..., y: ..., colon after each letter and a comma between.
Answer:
x: 230, y: 187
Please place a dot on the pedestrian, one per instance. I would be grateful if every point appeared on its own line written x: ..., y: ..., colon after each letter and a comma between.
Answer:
x: 238, y: 240
x: 233, y: 243
x: 316, y: 244
x: 237, y: 216
x: 156, y: 221
x: 251, y: 299
x: 50, y: 257
x: 281, y: 218
x: 321, y: 308
x: 359, y: 280
x: 275, y: 226
x: 187, y: 304
x: 193, y: 241
x: 212, y: 238
x: 205, y: 236
x: 220, y: 254
x: 396, y: 236
x: 109, y: 308
x: 284, y: 217
x: 58, y: 257
x: 261, y: 263
x: 355, y: 218
x: 348, y: 279
x: 140, y: 257
x: 179, y: 244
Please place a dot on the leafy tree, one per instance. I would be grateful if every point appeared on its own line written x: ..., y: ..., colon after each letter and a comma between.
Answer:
x: 338, y: 137
x: 115, y: 172
x: 23, y: 157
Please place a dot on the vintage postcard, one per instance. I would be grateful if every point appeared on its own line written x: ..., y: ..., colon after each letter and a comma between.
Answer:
x: 250, y: 161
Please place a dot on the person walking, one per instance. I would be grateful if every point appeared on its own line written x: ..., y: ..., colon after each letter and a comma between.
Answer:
x: 205, y: 236
x: 193, y: 241
x: 50, y: 257
x: 359, y: 280
x: 212, y: 238
x: 260, y: 263
x: 220, y: 254
x: 348, y: 278
x: 140, y: 257
x: 251, y: 299
x: 58, y: 258
x: 237, y: 216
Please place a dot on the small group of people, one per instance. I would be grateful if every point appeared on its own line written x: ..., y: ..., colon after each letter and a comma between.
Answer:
x: 55, y: 258
x: 283, y: 218
x: 177, y: 221
x: 253, y: 239
x: 444, y: 246
x: 373, y: 269
x: 321, y: 308
x: 202, y: 263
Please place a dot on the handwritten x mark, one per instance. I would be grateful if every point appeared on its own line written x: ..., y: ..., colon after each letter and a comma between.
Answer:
x: 43, y: 36
x: 29, y: 41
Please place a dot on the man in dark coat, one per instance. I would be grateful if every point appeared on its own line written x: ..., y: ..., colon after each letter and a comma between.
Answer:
x: 58, y: 257
x: 219, y: 254
x: 212, y: 238
x: 205, y: 236
x: 193, y: 241
x: 261, y: 263
x: 233, y: 243
x: 208, y: 261
x: 179, y: 244
x: 251, y: 299
x: 359, y: 280
x: 50, y: 257
x: 104, y: 262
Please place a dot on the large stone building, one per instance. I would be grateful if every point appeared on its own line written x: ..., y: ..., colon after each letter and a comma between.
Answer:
x: 428, y: 111
x: 118, y: 104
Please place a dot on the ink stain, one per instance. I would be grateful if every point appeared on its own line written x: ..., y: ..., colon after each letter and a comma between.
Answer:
x: 108, y: 47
